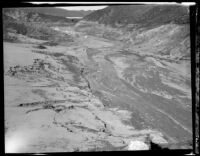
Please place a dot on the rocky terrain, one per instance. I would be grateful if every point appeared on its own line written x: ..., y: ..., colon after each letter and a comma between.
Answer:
x: 95, y: 86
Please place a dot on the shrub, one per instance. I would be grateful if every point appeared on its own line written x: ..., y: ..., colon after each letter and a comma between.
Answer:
x: 41, y: 47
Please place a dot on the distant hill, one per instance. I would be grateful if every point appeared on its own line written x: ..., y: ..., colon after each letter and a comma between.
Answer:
x: 32, y: 24
x: 58, y: 11
x: 140, y: 14
x: 27, y: 15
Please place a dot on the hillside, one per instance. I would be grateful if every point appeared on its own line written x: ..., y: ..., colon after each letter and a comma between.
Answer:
x: 26, y: 15
x: 58, y: 11
x: 119, y: 79
x: 152, y: 57
x: 146, y: 15
x: 32, y: 24
x: 164, y: 28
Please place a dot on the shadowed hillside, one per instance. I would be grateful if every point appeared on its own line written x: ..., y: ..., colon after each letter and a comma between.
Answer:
x: 140, y: 14
x: 160, y: 29
x: 58, y: 11
x: 27, y: 15
x: 33, y: 24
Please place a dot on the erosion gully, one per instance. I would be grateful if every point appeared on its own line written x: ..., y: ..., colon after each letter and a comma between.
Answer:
x: 148, y: 110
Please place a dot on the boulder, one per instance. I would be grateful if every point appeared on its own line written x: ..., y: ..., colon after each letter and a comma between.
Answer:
x: 137, y: 145
x: 157, y: 139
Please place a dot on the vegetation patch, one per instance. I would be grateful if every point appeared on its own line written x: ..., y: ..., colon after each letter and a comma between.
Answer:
x: 41, y: 47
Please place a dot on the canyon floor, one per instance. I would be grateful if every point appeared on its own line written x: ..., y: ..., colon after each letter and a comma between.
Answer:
x: 93, y: 94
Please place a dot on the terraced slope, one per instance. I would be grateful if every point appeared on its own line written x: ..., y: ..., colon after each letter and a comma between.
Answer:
x: 50, y: 106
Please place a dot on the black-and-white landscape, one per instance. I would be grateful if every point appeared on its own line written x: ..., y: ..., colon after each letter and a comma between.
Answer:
x: 116, y: 79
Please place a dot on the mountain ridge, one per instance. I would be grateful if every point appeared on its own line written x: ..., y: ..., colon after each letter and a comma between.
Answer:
x: 32, y: 24
x: 140, y: 14
x: 55, y: 11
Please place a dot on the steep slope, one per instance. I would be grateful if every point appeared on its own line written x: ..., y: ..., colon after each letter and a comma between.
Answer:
x: 56, y: 11
x: 165, y: 29
x: 140, y: 14
x: 32, y: 24
x: 27, y: 15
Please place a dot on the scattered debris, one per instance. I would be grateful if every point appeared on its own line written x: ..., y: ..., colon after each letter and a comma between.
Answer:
x: 42, y: 103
